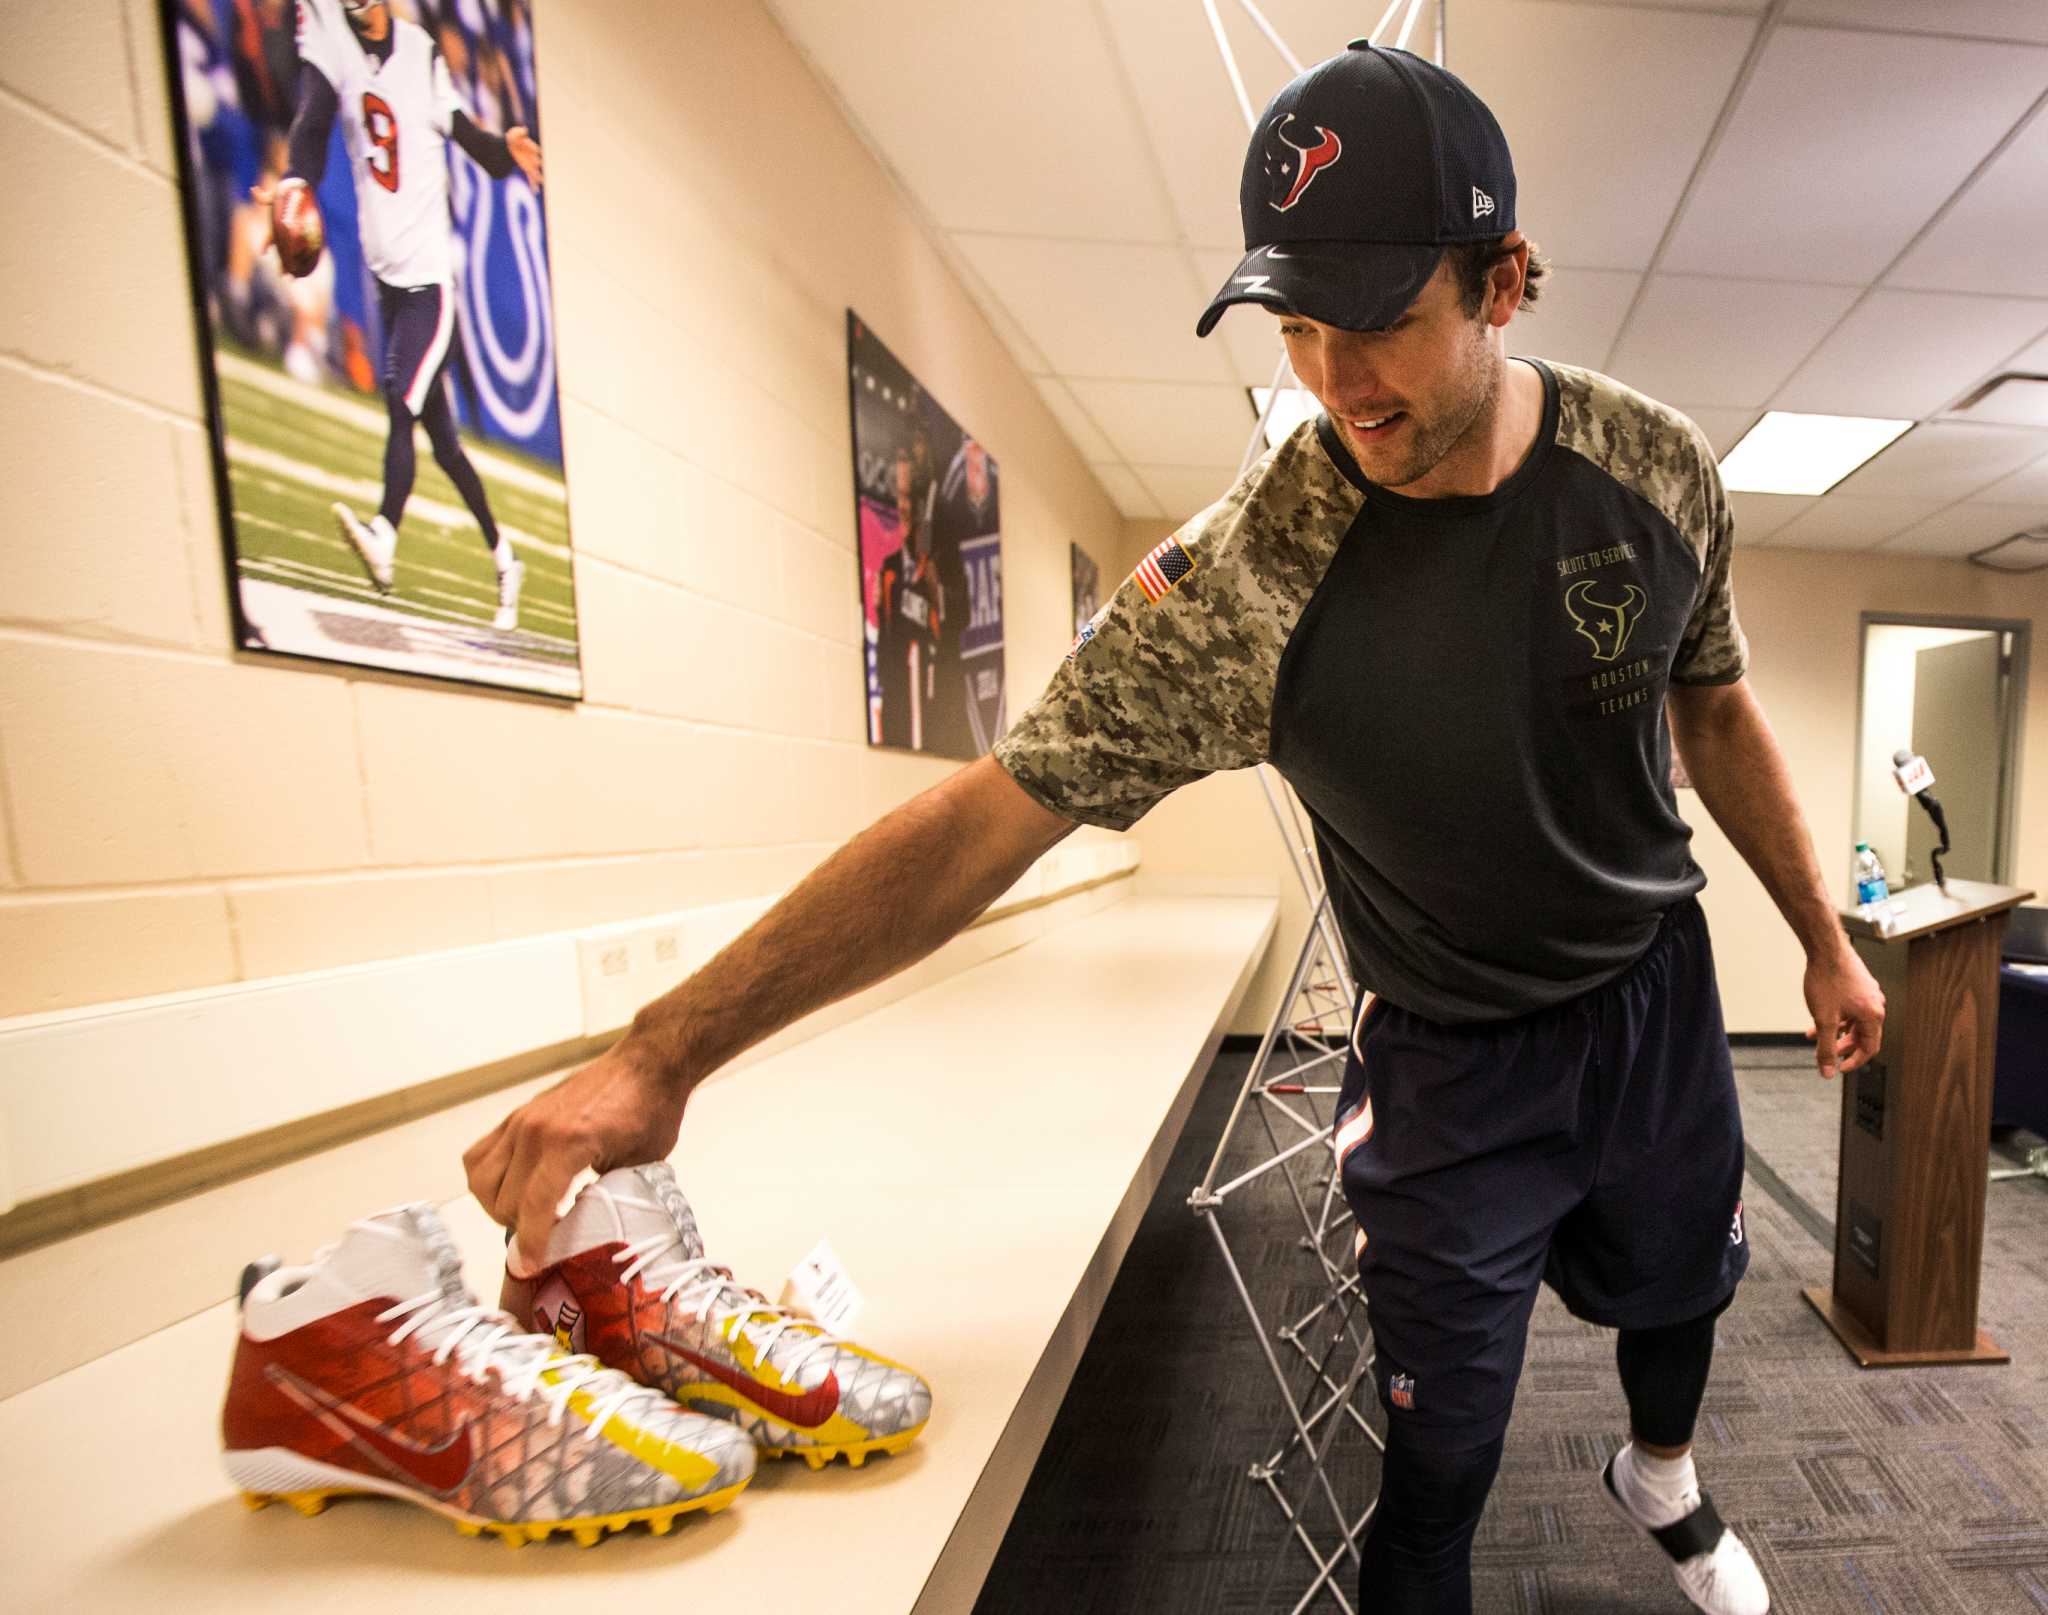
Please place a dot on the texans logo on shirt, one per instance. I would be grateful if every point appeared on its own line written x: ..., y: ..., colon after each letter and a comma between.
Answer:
x: 1605, y: 613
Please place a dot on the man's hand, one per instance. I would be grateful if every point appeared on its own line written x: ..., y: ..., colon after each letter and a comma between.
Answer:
x: 619, y: 1110
x: 525, y: 152
x: 1848, y: 1011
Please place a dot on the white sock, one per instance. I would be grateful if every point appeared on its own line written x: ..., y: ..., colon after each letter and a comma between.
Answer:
x: 1658, y: 1491
x: 387, y: 535
x: 503, y: 555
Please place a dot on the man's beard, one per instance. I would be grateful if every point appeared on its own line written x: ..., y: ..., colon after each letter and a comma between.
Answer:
x: 1431, y: 440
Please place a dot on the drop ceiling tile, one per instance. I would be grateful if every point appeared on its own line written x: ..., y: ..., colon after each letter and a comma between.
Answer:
x: 1004, y: 323
x: 1100, y: 310
x: 1184, y: 490
x: 1994, y: 238
x: 1844, y: 144
x: 2028, y: 485
x: 1170, y: 423
x: 1247, y: 333
x: 1576, y: 319
x: 1844, y: 522
x: 1905, y: 354
x: 1567, y: 82
x: 1945, y: 461
x: 1131, y: 497
x: 1727, y: 7
x: 1193, y: 129
x: 1962, y: 528
x: 2034, y: 361
x: 1724, y: 427
x: 1759, y: 516
x: 1723, y: 343
x: 1988, y: 19
x: 1081, y: 431
x: 994, y: 117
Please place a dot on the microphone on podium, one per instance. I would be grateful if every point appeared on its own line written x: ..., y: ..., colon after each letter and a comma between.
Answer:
x: 1914, y: 777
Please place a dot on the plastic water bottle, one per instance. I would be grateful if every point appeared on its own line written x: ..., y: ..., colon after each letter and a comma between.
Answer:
x: 1871, y: 890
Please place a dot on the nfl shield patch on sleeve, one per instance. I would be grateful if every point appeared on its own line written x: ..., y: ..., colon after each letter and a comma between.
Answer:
x: 1401, y: 1391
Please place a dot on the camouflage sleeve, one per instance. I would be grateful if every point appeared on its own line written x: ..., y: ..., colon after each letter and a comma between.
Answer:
x: 1714, y: 649
x: 1155, y: 694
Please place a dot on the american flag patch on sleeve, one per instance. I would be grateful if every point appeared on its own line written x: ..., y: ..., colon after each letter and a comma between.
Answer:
x: 1162, y: 569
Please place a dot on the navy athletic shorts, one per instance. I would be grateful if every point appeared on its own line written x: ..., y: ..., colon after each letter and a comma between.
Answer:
x: 1595, y: 1146
x: 419, y: 323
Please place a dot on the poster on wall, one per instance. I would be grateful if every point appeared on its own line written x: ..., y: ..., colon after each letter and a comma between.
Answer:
x: 1087, y: 587
x: 362, y: 185
x: 931, y: 562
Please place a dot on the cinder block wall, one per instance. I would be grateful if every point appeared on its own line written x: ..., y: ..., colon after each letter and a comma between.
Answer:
x: 175, y: 815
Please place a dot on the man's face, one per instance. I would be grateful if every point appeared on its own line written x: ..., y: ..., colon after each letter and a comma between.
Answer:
x: 1405, y: 397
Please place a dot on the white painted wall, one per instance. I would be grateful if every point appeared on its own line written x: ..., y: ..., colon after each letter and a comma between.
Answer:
x: 176, y: 816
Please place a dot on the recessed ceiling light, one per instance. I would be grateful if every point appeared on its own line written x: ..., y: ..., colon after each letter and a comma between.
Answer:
x: 2008, y: 400
x: 1809, y: 454
x: 2022, y: 552
x: 1296, y: 405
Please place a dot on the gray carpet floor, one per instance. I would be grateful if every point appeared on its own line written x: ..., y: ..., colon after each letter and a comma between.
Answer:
x: 1901, y: 1492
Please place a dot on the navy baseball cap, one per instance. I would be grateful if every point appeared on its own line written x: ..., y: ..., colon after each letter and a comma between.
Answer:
x: 1360, y: 173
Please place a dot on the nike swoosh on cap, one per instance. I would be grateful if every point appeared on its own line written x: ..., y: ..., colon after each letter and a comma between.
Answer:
x: 439, y: 1469
x: 811, y: 1408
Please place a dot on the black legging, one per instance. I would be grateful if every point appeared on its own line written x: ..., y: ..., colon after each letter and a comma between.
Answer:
x: 439, y: 420
x: 1417, y: 1558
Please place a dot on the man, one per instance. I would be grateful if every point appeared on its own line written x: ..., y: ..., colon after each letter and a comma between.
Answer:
x: 398, y: 109
x: 1453, y: 612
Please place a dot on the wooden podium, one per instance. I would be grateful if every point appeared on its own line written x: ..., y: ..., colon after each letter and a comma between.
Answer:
x: 1916, y: 1133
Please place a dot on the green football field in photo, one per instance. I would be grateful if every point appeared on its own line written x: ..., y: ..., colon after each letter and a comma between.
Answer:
x: 293, y: 451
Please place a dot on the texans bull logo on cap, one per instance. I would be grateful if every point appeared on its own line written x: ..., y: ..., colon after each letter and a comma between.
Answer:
x: 1293, y: 177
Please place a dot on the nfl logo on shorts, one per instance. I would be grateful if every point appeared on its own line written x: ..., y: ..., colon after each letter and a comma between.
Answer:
x: 1401, y: 1391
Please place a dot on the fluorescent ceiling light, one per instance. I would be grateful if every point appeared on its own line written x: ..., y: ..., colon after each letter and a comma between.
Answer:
x: 1295, y: 406
x: 1809, y: 454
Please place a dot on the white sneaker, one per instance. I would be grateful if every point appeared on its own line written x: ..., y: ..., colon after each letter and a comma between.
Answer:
x: 509, y: 582
x: 372, y: 548
x: 1713, y: 1568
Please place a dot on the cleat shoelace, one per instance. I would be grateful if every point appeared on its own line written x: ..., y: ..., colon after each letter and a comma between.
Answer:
x: 708, y: 1290
x: 484, y: 1341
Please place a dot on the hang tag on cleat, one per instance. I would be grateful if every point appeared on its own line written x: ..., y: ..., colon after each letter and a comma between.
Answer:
x: 819, y: 1288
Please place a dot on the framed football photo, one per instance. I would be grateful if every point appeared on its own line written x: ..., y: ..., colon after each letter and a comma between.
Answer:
x: 363, y: 191
x: 931, y: 562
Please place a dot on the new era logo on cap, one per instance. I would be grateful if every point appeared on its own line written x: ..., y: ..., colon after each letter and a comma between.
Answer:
x: 1482, y: 204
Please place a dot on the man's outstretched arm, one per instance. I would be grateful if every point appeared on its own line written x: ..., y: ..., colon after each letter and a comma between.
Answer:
x: 893, y: 894
x: 1740, y: 774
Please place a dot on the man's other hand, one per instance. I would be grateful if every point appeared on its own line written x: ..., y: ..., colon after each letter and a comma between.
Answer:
x: 1848, y: 1011
x: 617, y: 1111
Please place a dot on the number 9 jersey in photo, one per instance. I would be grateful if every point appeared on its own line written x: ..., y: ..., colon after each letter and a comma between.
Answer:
x: 397, y: 113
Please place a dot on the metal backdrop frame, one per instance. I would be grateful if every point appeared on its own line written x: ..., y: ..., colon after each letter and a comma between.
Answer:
x: 1323, y: 1374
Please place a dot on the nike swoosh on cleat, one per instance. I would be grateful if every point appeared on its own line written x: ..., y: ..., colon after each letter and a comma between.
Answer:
x: 813, y: 1407
x: 439, y: 1469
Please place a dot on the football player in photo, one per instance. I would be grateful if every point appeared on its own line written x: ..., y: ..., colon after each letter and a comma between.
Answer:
x: 910, y: 607
x: 387, y: 82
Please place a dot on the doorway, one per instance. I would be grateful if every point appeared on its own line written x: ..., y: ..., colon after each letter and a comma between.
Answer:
x: 1950, y: 690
